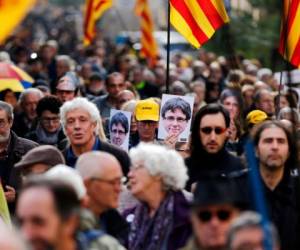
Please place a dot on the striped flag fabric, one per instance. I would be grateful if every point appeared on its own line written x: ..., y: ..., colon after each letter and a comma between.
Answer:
x: 11, y: 14
x: 149, y: 47
x: 197, y: 20
x: 289, y: 46
x: 93, y: 11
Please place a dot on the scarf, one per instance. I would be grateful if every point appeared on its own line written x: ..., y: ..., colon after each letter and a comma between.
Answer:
x: 44, y: 137
x: 152, y: 233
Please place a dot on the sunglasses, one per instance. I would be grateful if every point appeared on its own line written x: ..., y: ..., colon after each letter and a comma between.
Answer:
x: 206, y: 215
x: 208, y: 130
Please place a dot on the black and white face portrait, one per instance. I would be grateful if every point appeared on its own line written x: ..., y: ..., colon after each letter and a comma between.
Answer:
x: 119, y: 127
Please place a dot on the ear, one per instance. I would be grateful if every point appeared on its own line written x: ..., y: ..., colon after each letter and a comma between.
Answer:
x: 70, y: 225
x: 10, y: 122
x: 85, y: 201
x: 227, y: 133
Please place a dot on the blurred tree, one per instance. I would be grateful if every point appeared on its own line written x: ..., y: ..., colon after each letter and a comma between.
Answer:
x: 253, y: 33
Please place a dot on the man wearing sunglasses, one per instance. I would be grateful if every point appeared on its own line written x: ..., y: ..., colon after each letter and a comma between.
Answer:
x: 216, y: 203
x: 209, y: 156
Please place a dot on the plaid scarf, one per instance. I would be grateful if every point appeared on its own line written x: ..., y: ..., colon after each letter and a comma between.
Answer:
x: 152, y: 233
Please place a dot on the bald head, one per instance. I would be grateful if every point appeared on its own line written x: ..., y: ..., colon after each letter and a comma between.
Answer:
x: 96, y: 163
x: 102, y: 175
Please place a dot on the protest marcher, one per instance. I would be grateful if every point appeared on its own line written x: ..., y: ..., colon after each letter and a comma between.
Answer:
x: 216, y: 203
x: 48, y: 214
x: 232, y: 101
x: 264, y: 101
x: 12, y: 148
x: 253, y: 118
x: 102, y: 176
x: 147, y: 116
x: 247, y: 232
x: 80, y: 119
x: 277, y: 157
x: 95, y: 87
x: 114, y: 83
x: 209, y: 156
x: 144, y: 88
x: 66, y: 88
x: 48, y: 130
x: 24, y: 121
x: 89, y: 233
x: 125, y: 96
x: 39, y: 159
x: 157, y: 178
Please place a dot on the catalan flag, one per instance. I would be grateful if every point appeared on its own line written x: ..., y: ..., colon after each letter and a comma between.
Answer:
x: 149, y: 47
x: 289, y: 46
x: 11, y: 14
x: 94, y: 10
x: 197, y: 20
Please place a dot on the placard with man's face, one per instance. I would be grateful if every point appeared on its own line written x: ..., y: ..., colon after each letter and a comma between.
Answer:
x: 119, y: 128
x: 175, y: 116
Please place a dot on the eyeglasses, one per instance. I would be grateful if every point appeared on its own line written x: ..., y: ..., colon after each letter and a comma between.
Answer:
x: 118, y: 181
x: 208, y: 130
x: 3, y: 123
x: 206, y: 215
x: 50, y: 119
x: 172, y: 119
x: 116, y: 131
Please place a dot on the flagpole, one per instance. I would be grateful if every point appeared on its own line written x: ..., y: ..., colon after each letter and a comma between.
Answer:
x: 168, y: 51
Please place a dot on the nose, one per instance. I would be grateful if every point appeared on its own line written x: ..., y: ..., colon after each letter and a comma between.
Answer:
x: 77, y: 124
x: 213, y: 135
x: 27, y: 231
x: 274, y: 144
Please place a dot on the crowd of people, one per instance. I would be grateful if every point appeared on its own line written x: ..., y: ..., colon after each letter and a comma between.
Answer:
x: 68, y: 184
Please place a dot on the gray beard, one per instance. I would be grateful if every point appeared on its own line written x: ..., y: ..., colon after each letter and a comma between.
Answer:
x: 4, y: 138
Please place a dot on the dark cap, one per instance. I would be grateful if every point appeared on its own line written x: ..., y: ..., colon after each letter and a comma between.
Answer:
x: 217, y: 191
x: 45, y: 154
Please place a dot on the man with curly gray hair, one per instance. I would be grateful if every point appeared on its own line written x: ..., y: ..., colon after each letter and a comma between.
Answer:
x: 156, y: 178
x: 81, y: 120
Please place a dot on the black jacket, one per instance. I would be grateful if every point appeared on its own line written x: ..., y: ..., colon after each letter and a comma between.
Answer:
x: 16, y: 149
x: 10, y: 175
x: 284, y: 210
x: 221, y: 164
x: 120, y: 154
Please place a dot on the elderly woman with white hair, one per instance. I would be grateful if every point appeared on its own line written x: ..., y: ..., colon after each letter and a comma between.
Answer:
x: 157, y: 178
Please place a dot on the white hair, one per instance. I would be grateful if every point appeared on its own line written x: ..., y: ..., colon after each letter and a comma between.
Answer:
x: 28, y: 91
x: 68, y: 176
x: 84, y: 104
x: 160, y: 161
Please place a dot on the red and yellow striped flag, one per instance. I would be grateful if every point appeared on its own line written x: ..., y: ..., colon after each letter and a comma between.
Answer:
x: 197, y: 20
x: 149, y: 47
x: 289, y: 46
x: 94, y: 10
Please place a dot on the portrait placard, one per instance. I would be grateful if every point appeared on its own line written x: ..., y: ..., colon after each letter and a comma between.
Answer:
x: 175, y: 117
x: 119, y: 128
